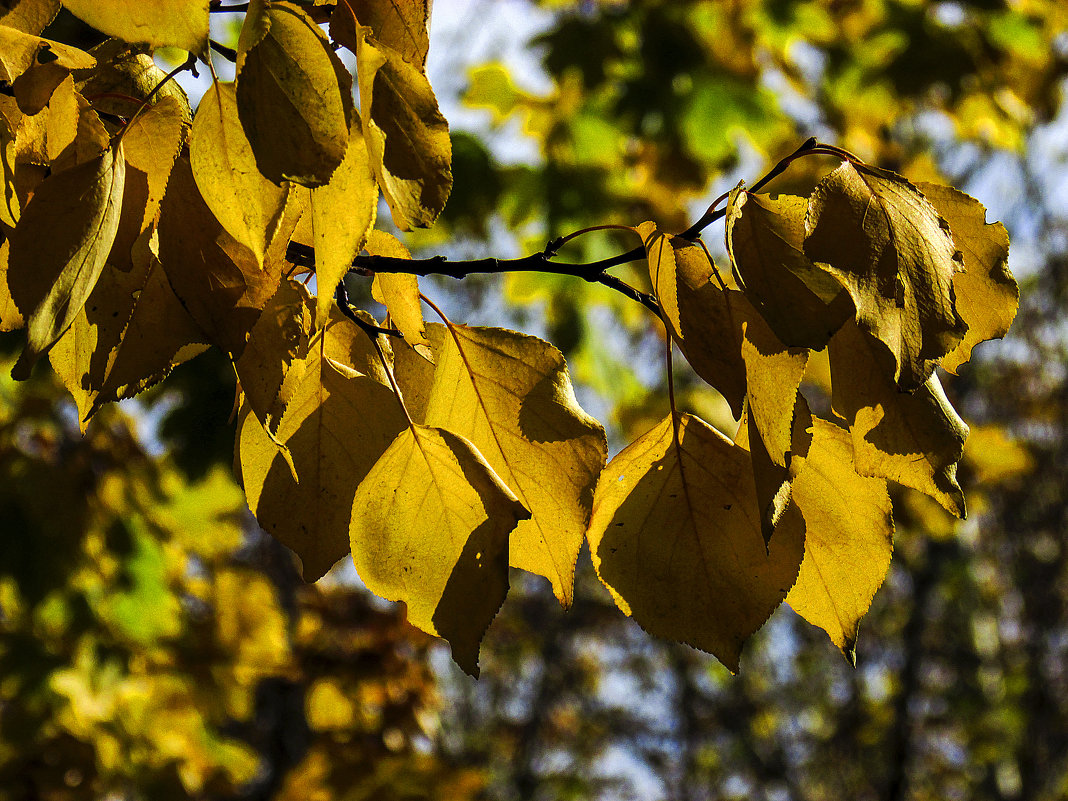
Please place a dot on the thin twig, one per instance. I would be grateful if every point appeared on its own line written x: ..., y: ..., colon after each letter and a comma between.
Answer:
x: 341, y: 297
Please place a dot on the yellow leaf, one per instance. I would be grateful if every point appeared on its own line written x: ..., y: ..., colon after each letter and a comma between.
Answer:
x: 278, y: 341
x: 29, y: 16
x: 343, y: 212
x: 890, y: 248
x: 407, y: 136
x: 245, y: 203
x: 414, y: 371
x: 511, y: 396
x: 294, y: 96
x: 400, y: 24
x: 341, y: 417
x: 987, y: 295
x: 675, y: 536
x: 702, y: 317
x: 125, y: 76
x: 217, y: 278
x: 803, y: 304
x: 914, y: 439
x: 178, y: 23
x: 20, y: 52
x: 60, y: 246
x: 41, y: 138
x: 849, y: 536
x: 10, y: 208
x: 399, y: 293
x: 430, y: 527
x: 10, y: 316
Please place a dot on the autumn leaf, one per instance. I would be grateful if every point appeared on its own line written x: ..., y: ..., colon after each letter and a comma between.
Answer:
x: 20, y: 52
x: 343, y: 212
x: 890, y: 248
x: 125, y: 77
x: 44, y: 137
x: 10, y: 208
x: 341, y: 416
x: 803, y: 304
x: 849, y: 536
x: 294, y: 96
x: 407, y: 136
x: 511, y: 396
x: 430, y: 527
x: 399, y: 293
x: 914, y: 439
x: 60, y: 247
x: 245, y: 203
x: 675, y: 536
x: 217, y: 278
x: 10, y: 316
x: 178, y: 23
x: 29, y: 16
x: 400, y: 24
x: 986, y: 293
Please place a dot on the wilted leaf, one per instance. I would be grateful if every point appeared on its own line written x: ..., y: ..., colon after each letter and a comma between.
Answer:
x: 849, y: 536
x: 914, y: 439
x: 294, y: 96
x: 178, y: 23
x: 407, y: 136
x: 343, y: 212
x: 890, y: 248
x: 430, y: 527
x: 400, y: 24
x: 217, y: 278
x: 399, y: 293
x: 60, y: 246
x: 803, y: 304
x: 675, y: 536
x: 341, y: 417
x: 245, y: 203
x: 29, y: 16
x: 511, y: 396
x: 987, y: 295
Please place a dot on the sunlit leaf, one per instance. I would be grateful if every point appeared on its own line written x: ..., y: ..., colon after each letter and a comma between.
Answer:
x: 987, y: 295
x: 675, y: 536
x: 10, y: 208
x: 849, y: 536
x: 511, y: 396
x: 430, y: 527
x: 178, y: 23
x: 400, y: 24
x: 126, y: 76
x: 407, y: 136
x: 245, y: 203
x: 890, y: 248
x: 294, y: 96
x: 20, y: 52
x: 60, y: 246
x: 399, y: 293
x: 803, y: 304
x: 341, y: 417
x: 343, y: 212
x: 29, y: 16
x: 914, y: 439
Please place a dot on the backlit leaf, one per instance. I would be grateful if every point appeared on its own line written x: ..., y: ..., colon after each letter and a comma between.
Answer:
x: 125, y: 76
x: 407, y: 136
x: 20, y: 52
x: 914, y: 439
x: 29, y: 16
x: 60, y: 246
x: 987, y: 295
x: 511, y: 396
x: 803, y: 304
x: 341, y: 417
x: 343, y: 212
x: 399, y: 293
x: 294, y: 96
x: 400, y: 24
x: 890, y: 248
x: 10, y: 208
x: 41, y: 138
x: 245, y: 203
x: 675, y: 536
x: 178, y: 23
x: 430, y: 527
x: 849, y: 536
x: 10, y: 316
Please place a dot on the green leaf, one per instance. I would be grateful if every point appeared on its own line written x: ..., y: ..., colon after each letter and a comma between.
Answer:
x: 294, y: 96
x: 407, y: 136
x: 60, y: 247
x: 675, y: 536
x: 430, y: 526
x: 890, y: 248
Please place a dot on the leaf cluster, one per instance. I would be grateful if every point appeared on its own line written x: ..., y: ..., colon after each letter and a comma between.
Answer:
x: 440, y: 455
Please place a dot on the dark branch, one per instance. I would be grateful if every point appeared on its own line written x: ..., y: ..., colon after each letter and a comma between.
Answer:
x: 341, y: 297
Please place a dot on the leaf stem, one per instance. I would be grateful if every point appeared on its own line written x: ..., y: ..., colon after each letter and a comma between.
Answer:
x: 341, y: 297
x: 190, y: 63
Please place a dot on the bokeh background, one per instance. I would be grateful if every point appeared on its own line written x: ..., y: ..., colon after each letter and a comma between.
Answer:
x: 155, y: 645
